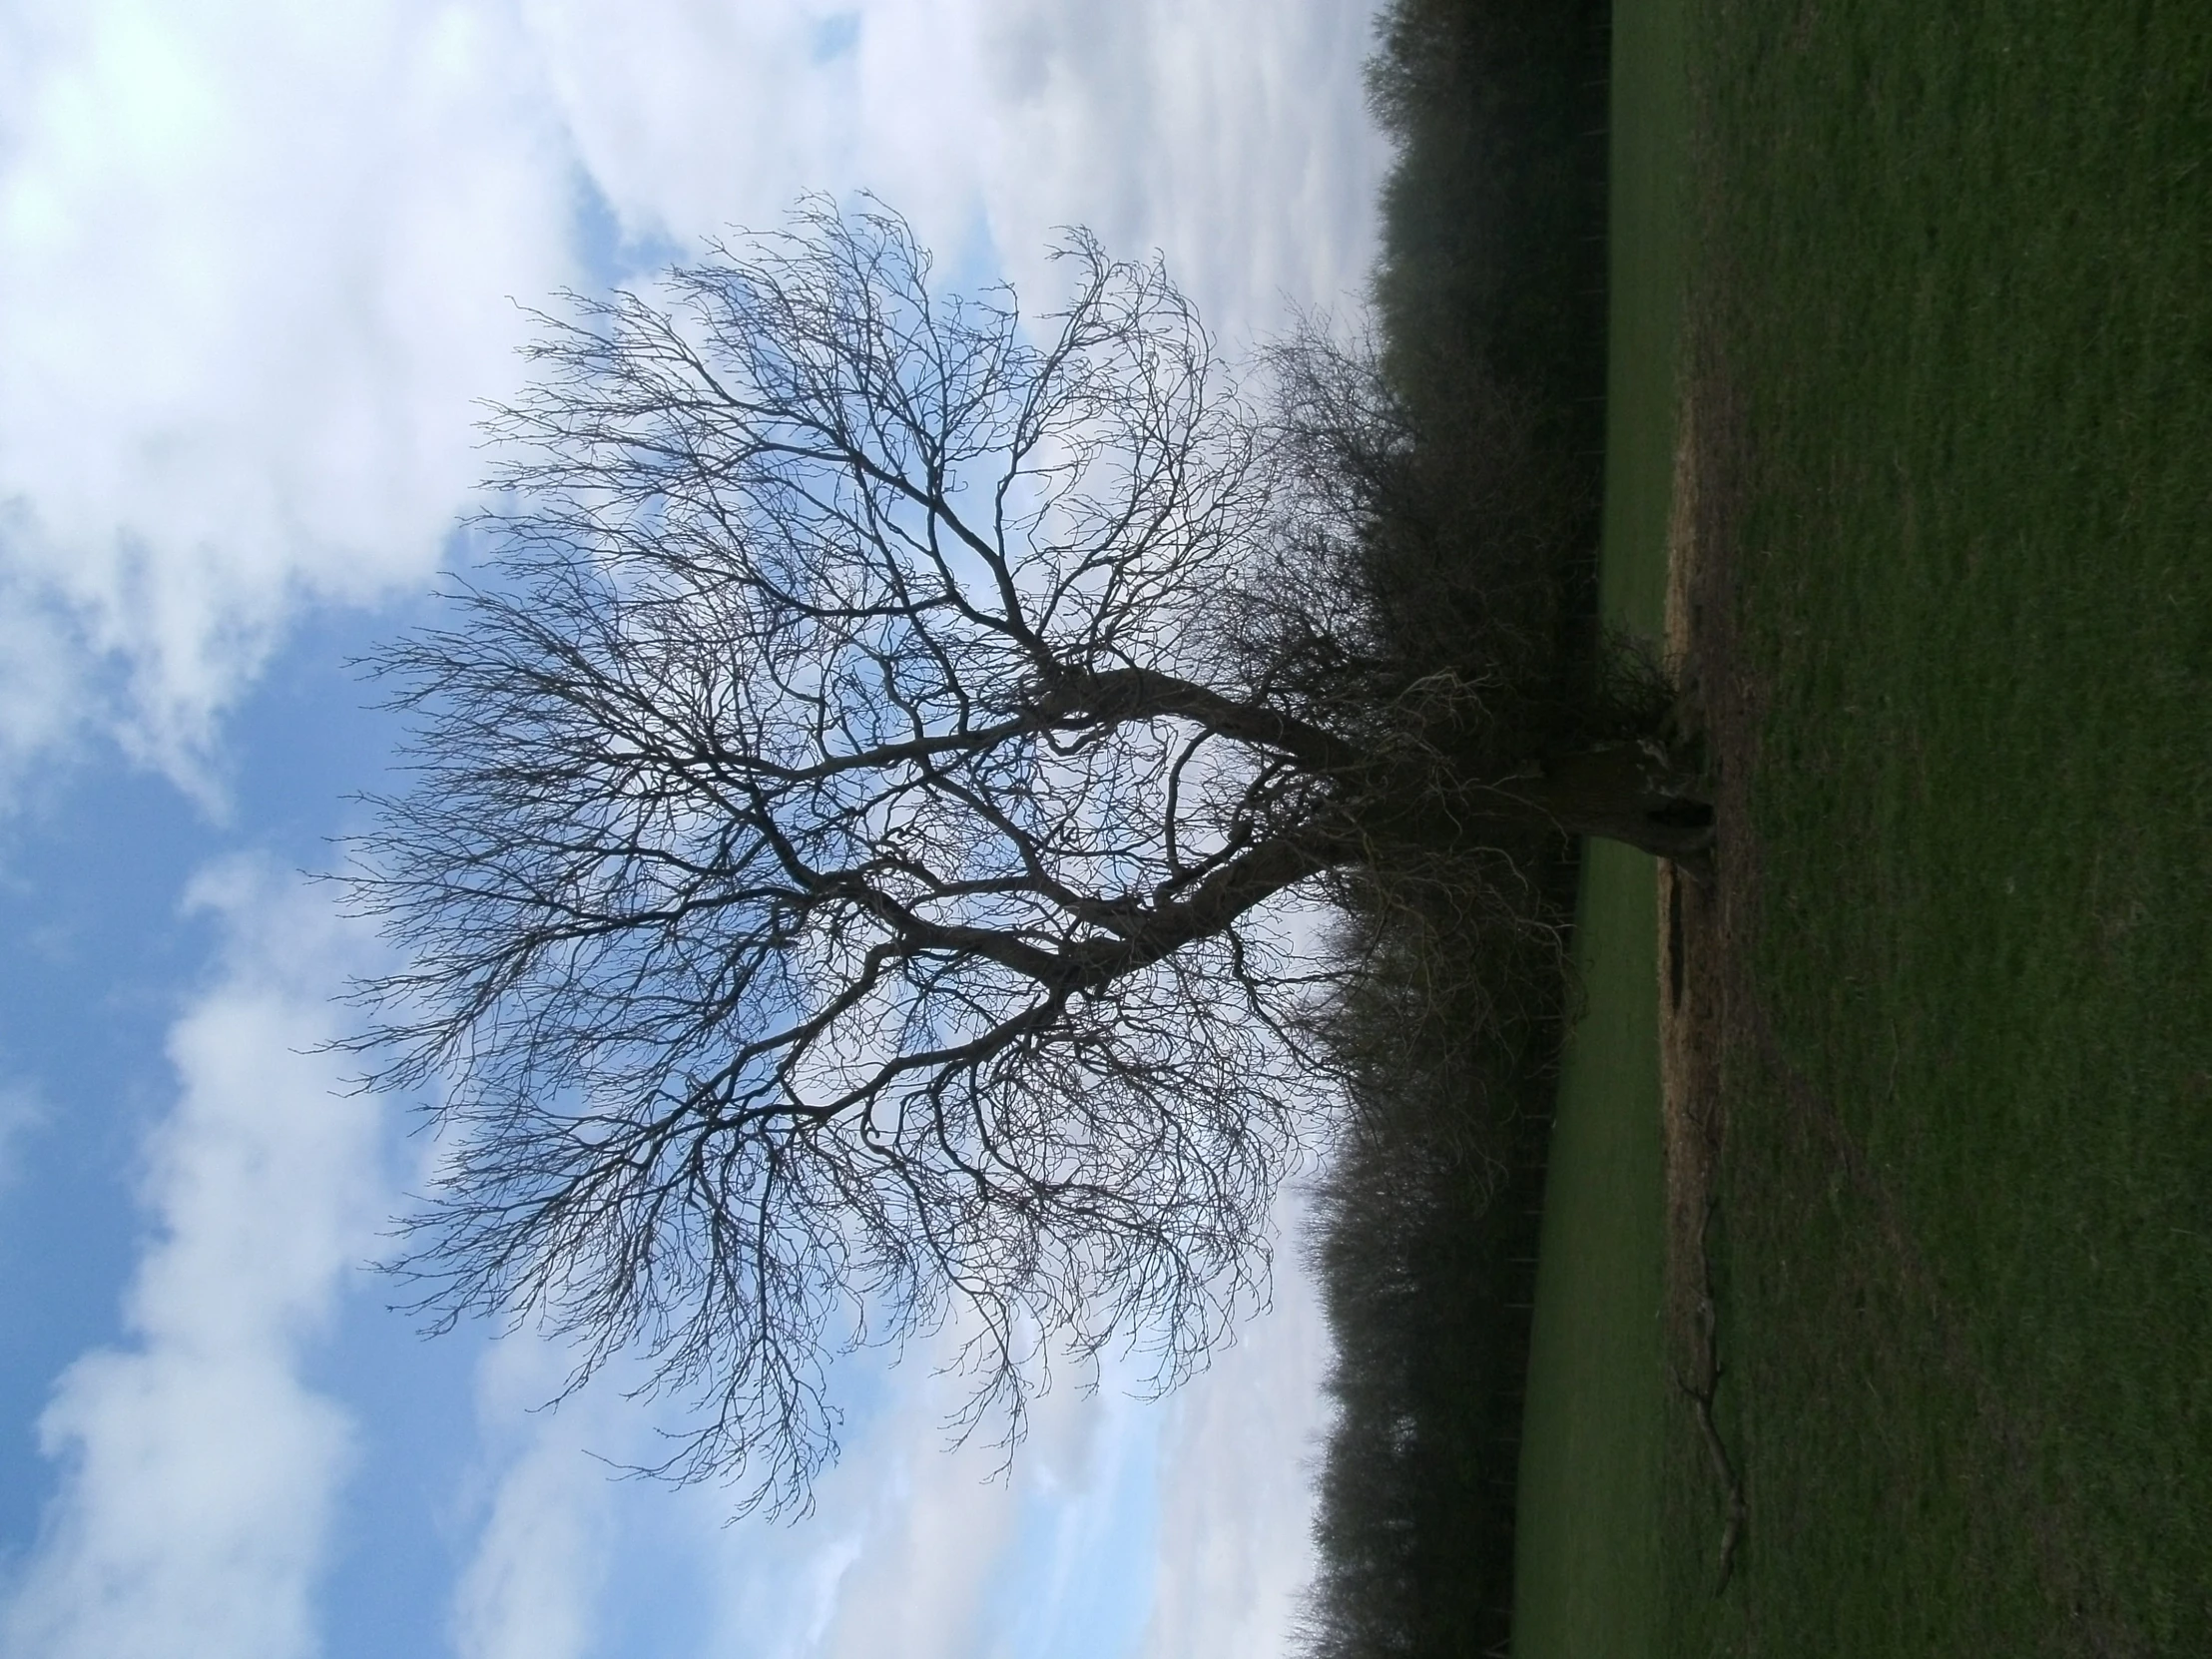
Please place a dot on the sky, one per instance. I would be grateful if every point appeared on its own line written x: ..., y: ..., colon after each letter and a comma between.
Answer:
x: 257, y: 264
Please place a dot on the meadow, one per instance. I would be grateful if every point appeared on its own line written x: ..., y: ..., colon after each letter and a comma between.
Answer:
x: 1948, y: 338
x: 1601, y: 1407
x: 1908, y: 342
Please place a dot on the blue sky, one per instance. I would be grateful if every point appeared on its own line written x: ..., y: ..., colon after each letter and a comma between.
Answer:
x: 257, y: 261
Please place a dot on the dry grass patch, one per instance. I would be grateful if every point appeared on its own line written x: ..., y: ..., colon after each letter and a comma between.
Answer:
x: 1697, y: 932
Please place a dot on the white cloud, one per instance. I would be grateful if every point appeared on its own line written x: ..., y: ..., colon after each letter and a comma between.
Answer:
x: 531, y: 1587
x: 905, y: 1536
x: 933, y: 1532
x: 256, y: 257
x: 200, y: 1471
x: 950, y: 1549
x: 253, y: 261
x: 1236, y: 1509
x: 1231, y: 135
x: 939, y: 1553
x: 1125, y: 1527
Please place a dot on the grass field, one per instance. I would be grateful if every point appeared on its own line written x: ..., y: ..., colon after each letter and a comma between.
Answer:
x: 1587, y: 1583
x: 1588, y: 1570
x: 1953, y: 283
x: 1956, y: 277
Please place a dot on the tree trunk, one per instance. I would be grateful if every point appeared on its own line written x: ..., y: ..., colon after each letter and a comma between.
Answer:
x: 1637, y: 794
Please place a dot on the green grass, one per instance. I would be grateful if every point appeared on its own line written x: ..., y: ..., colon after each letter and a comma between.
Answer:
x: 1958, y: 266
x: 1587, y: 1581
x: 1950, y: 269
x: 1955, y: 267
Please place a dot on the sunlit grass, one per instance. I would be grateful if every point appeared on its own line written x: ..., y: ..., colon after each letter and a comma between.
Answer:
x: 1587, y: 1581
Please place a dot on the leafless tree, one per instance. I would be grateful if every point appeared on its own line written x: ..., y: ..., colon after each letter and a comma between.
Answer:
x: 848, y: 877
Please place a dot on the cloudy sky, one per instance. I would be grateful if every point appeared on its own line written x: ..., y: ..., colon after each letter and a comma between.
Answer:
x: 257, y: 261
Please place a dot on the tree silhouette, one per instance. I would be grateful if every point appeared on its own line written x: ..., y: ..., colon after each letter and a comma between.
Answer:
x: 850, y: 876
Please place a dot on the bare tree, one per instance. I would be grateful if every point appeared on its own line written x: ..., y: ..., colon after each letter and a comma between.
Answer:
x: 847, y: 873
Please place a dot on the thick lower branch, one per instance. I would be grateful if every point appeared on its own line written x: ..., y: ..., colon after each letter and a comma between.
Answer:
x: 1139, y: 694
x: 1214, y: 908
x: 1623, y: 791
x: 1633, y: 792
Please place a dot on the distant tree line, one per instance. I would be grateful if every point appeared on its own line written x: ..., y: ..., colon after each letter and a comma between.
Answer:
x: 1490, y: 316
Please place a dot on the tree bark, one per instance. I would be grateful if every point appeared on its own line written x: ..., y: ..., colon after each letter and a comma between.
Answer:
x: 1636, y: 793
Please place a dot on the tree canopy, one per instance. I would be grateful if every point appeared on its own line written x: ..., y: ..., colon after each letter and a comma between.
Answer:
x: 849, y: 880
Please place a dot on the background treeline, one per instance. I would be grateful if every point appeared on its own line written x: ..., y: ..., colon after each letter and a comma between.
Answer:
x: 1490, y: 318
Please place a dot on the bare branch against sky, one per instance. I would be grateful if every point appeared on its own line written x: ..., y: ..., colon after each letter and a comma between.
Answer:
x: 843, y: 873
